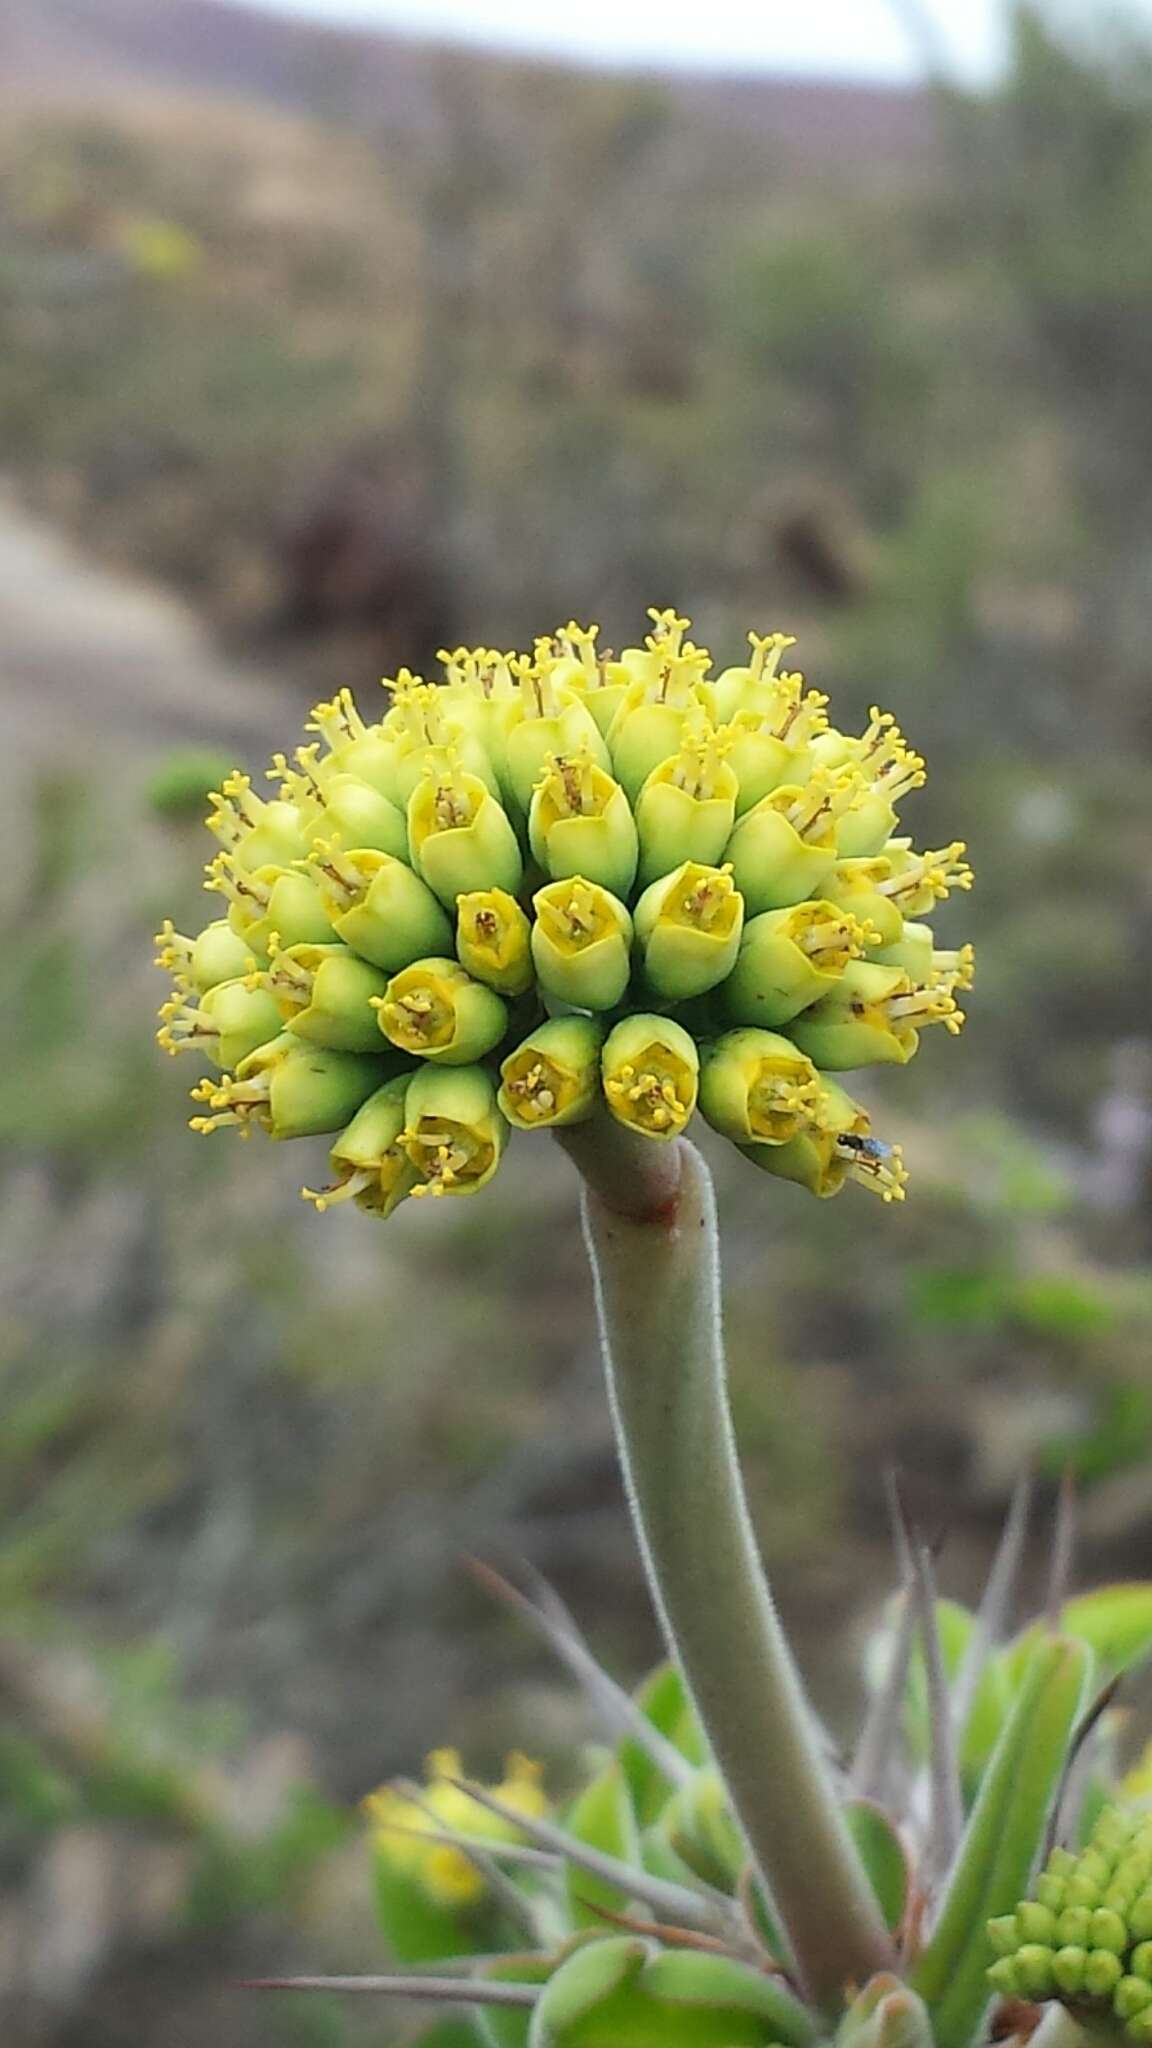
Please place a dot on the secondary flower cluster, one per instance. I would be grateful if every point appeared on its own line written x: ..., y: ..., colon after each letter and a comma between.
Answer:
x: 565, y: 881
x: 1085, y: 1936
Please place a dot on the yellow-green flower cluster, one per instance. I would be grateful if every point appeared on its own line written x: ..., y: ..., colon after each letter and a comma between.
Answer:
x: 410, y: 1825
x: 556, y: 883
x: 1085, y: 1935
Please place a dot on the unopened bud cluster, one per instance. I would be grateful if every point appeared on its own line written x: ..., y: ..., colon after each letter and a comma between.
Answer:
x: 559, y: 882
x: 1085, y: 1935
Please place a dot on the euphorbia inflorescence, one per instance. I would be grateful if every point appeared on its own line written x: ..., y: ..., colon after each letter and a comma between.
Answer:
x: 564, y: 883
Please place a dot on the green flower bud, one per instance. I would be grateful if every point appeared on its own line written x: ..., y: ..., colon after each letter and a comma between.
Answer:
x: 746, y: 686
x: 424, y: 721
x: 1068, y: 1966
x: 649, y: 723
x: 546, y: 721
x: 226, y: 1023
x: 1050, y: 1891
x: 1002, y: 1977
x: 255, y: 832
x: 1140, y: 1918
x: 1103, y: 1972
x: 352, y: 811
x: 369, y: 1163
x: 581, y: 944
x: 553, y: 1078
x: 1083, y: 1891
x: 770, y: 736
x: 354, y: 748
x: 1140, y: 2027
x: 688, y: 928
x: 270, y: 902
x: 687, y: 806
x: 917, y: 953
x: 650, y: 1069
x: 1004, y: 1934
x: 326, y: 994
x: 1034, y: 1976
x: 890, y: 770
x: 455, y: 1134
x: 833, y: 1149
x: 289, y: 1090
x: 756, y: 1088
x: 217, y: 954
x: 1132, y: 1995
x: 460, y: 836
x: 581, y: 823
x: 1141, y: 1960
x: 790, y: 959
x: 600, y: 685
x: 783, y: 849
x: 494, y: 940
x: 379, y: 907
x: 1109, y: 1931
x: 1034, y: 1922
x: 435, y: 1010
x: 854, y: 886
x: 874, y: 1016
x: 916, y: 882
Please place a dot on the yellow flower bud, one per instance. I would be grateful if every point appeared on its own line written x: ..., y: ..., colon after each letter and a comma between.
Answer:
x: 325, y: 994
x: 581, y: 823
x: 687, y: 806
x: 455, y: 1134
x: 226, y: 1023
x: 435, y: 1010
x: 459, y: 834
x: 216, y: 954
x: 547, y: 720
x: 553, y: 1078
x: 257, y: 833
x: 757, y: 1088
x: 743, y: 687
x: 289, y: 1090
x: 649, y: 723
x: 494, y: 940
x: 581, y: 944
x: 270, y: 902
x: 369, y: 1163
x: 789, y: 959
x: 783, y: 849
x: 688, y: 927
x: 834, y: 1148
x: 378, y: 906
x: 874, y: 1016
x: 650, y: 1069
x: 854, y: 887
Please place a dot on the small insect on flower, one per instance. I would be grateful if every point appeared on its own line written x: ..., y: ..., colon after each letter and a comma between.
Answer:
x: 562, y: 885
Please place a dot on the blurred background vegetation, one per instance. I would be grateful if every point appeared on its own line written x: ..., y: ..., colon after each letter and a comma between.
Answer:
x: 325, y: 351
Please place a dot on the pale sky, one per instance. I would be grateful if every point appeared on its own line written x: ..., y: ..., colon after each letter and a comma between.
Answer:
x: 858, y: 38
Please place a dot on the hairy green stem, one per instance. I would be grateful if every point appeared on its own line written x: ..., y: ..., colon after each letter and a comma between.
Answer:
x: 650, y: 1224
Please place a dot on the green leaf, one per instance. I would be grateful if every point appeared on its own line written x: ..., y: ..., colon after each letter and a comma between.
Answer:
x: 630, y: 1998
x: 882, y: 1854
x: 664, y: 1701
x: 602, y: 1816
x: 1115, y: 1621
x: 1003, y: 1837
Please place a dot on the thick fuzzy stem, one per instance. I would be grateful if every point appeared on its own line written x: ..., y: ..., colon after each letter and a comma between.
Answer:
x: 653, y: 1244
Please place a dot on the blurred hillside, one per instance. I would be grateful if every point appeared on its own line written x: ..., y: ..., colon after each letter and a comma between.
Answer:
x: 328, y: 351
